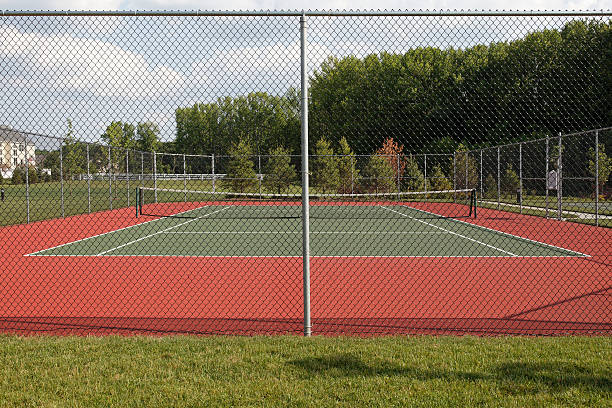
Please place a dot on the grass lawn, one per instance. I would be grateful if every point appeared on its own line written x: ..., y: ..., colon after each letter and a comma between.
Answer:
x: 294, y: 371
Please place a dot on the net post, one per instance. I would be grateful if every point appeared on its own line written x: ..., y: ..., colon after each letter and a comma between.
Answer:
x: 520, y: 178
x: 62, y: 178
x: 498, y: 178
x: 559, y: 182
x: 305, y: 187
x: 110, y: 179
x: 88, y: 181
x: 597, y: 178
x: 546, y: 175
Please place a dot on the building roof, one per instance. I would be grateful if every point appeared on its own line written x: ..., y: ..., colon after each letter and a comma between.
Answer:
x: 8, y: 134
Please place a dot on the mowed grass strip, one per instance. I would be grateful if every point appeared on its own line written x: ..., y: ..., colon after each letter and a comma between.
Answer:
x: 293, y: 371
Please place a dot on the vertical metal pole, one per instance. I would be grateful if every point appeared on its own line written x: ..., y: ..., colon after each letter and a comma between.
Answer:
x: 597, y: 178
x: 481, y: 183
x: 185, y: 176
x: 155, y: 175
x: 305, y: 189
x: 88, y: 182
x: 559, y: 182
x: 398, y: 177
x: 213, y: 171
x: 467, y: 159
x: 425, y: 172
x: 141, y: 169
x: 498, y: 179
x: 127, y: 174
x: 259, y: 172
x: 27, y: 181
x: 454, y: 176
x: 62, y: 178
x: 546, y: 175
x: 110, y: 179
x: 521, y: 177
x: 352, y: 175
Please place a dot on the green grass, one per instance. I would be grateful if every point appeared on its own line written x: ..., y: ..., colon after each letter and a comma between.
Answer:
x: 294, y: 371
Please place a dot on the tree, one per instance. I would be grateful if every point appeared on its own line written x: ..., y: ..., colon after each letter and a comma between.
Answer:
x: 490, y: 186
x: 464, y: 161
x: 18, y: 176
x: 240, y: 170
x: 280, y: 173
x: 74, y: 156
x: 147, y: 137
x: 32, y: 175
x: 604, y: 165
x: 326, y: 176
x: 509, y: 180
x: 347, y: 169
x: 414, y: 180
x: 393, y: 153
x: 378, y: 175
x: 438, y: 180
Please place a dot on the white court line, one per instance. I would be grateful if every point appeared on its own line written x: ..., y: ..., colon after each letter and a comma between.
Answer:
x: 504, y: 233
x: 313, y: 256
x: 451, y: 232
x: 312, y: 232
x: 160, y: 232
x: 109, y: 232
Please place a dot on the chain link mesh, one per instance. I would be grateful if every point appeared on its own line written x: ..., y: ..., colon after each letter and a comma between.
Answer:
x: 459, y: 170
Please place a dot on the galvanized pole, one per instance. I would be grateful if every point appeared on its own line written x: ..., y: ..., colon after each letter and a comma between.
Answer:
x: 467, y: 158
x: 27, y: 182
x: 62, y: 179
x: 213, y: 171
x: 559, y: 182
x: 454, y: 176
x: 398, y: 177
x: 88, y: 182
x: 127, y: 174
x: 259, y: 172
x: 546, y: 175
x: 498, y: 179
x: 481, y: 184
x: 305, y: 189
x: 155, y: 175
x: 185, y: 177
x: 425, y: 171
x: 521, y: 177
x: 597, y: 178
x: 352, y: 175
x: 141, y: 169
x: 110, y: 179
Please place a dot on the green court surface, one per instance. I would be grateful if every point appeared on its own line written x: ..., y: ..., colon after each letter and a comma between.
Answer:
x: 275, y: 231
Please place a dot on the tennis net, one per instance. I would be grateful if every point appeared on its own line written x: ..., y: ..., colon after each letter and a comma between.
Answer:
x: 182, y: 203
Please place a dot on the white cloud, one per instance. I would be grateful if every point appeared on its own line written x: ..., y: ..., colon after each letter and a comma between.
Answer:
x: 68, y: 63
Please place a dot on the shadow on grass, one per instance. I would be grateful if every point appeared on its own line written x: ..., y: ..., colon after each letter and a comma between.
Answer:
x: 514, y: 377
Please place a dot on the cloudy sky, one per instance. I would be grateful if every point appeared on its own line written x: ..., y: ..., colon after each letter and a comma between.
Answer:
x: 94, y: 70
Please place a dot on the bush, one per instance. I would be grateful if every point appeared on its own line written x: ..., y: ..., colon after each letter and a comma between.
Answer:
x: 414, y: 179
x: 439, y: 182
x: 509, y: 180
x: 490, y: 187
x: 325, y: 173
x: 32, y: 175
x: 347, y: 170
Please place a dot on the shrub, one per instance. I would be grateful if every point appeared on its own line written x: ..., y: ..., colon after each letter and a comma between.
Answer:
x: 280, y: 173
x: 240, y: 172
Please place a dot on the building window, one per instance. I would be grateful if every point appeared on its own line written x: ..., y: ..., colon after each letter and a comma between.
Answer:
x: 14, y: 161
x: 21, y: 147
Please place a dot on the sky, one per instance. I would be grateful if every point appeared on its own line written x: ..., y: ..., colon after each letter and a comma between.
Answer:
x: 94, y: 70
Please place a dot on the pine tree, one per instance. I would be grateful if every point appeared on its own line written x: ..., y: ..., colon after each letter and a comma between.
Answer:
x: 241, y: 173
x: 490, y: 187
x: 414, y: 178
x: 378, y: 175
x: 604, y: 166
x: 509, y: 181
x: 326, y: 176
x: 439, y: 182
x: 280, y: 173
x: 347, y: 170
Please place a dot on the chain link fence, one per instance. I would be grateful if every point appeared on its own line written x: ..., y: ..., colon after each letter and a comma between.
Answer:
x: 325, y: 172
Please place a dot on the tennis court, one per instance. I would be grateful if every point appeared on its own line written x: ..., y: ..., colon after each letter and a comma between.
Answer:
x: 339, y: 229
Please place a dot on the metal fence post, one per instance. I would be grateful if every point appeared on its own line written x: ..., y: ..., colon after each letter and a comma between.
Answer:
x: 185, y: 176
x: 305, y: 189
x: 467, y: 159
x: 141, y: 169
x: 88, y: 181
x: 521, y: 177
x: 559, y: 181
x: 62, y: 178
x: 213, y: 172
x: 27, y: 182
x: 481, y: 183
x: 454, y: 176
x: 425, y: 171
x: 259, y: 172
x: 110, y: 178
x: 498, y: 179
x: 398, y: 177
x: 546, y: 175
x: 352, y: 175
x: 127, y: 174
x: 597, y: 178
x: 155, y: 175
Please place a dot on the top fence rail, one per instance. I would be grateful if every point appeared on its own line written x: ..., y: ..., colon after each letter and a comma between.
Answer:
x: 312, y: 13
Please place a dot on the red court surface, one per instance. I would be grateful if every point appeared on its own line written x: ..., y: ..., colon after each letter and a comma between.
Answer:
x: 349, y: 295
